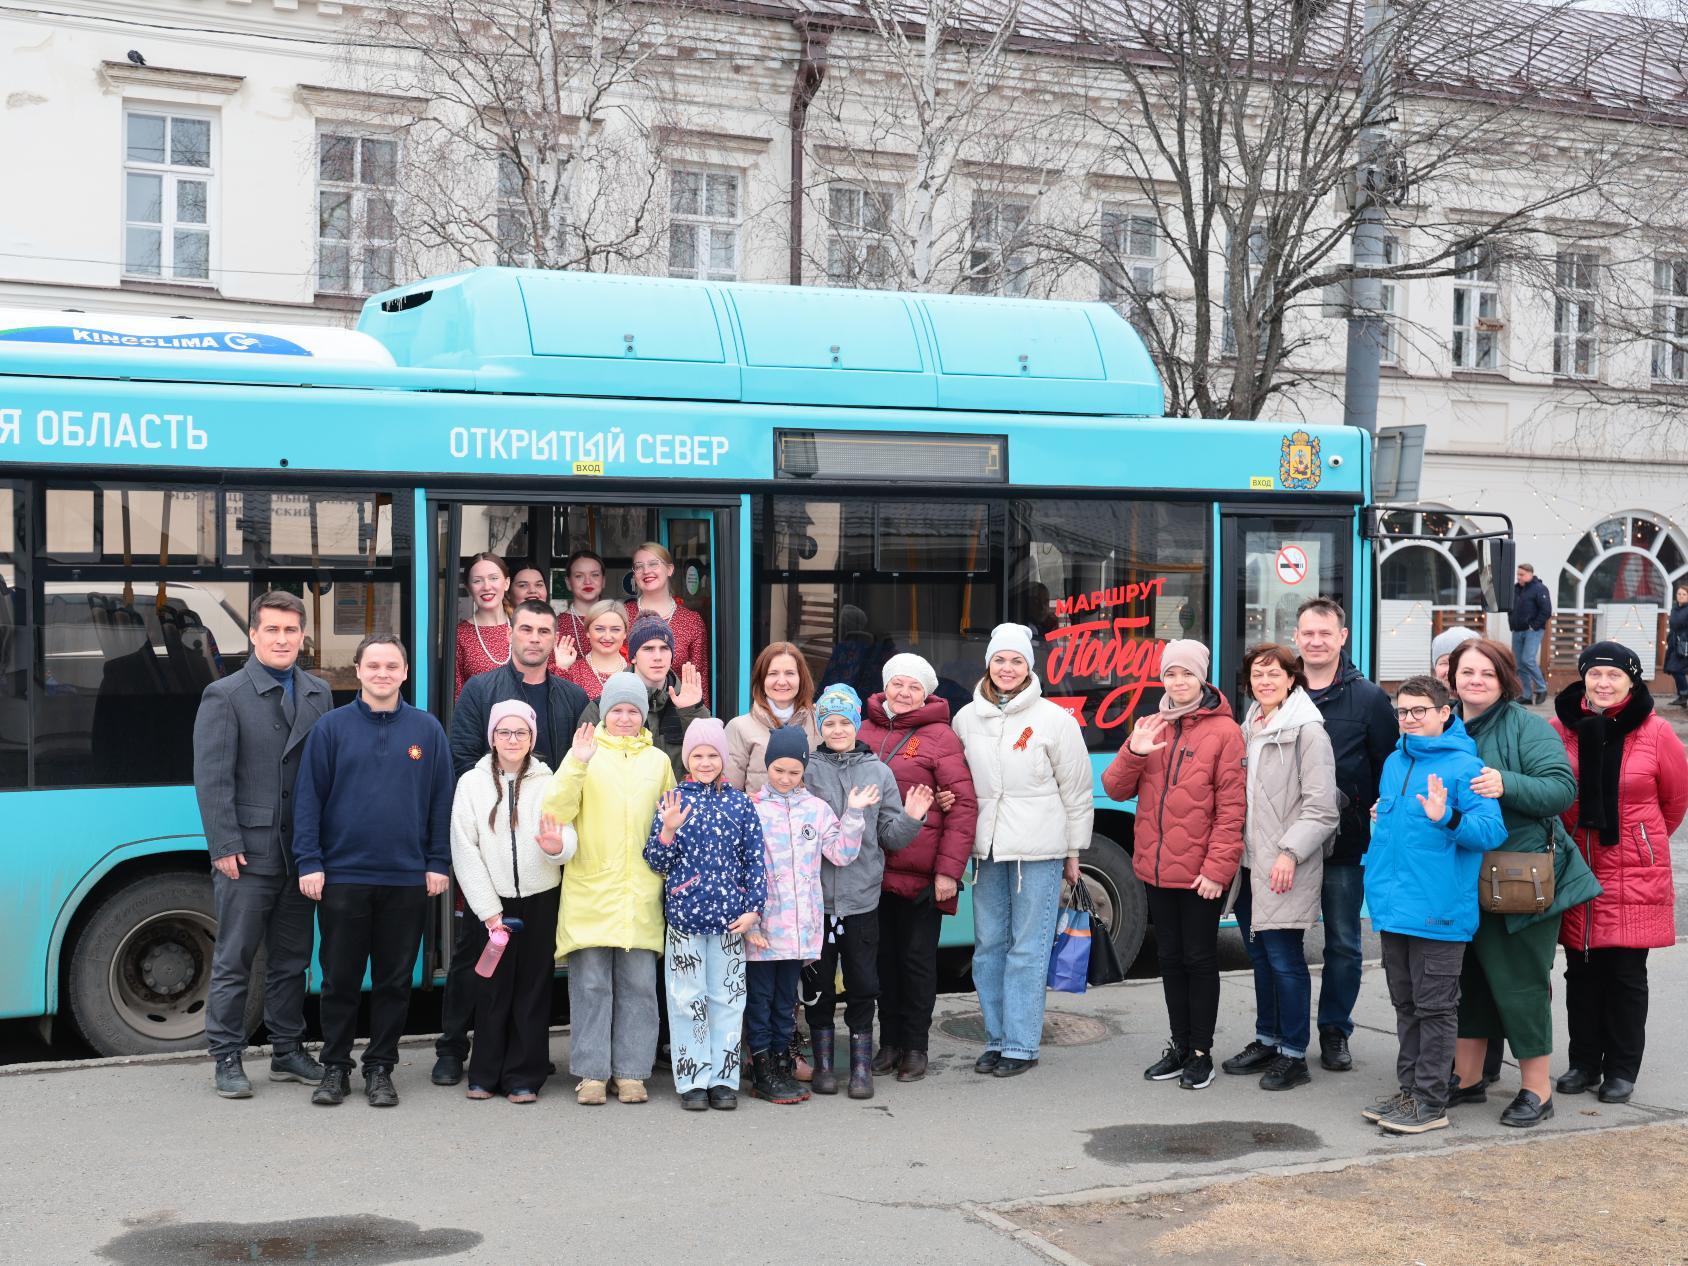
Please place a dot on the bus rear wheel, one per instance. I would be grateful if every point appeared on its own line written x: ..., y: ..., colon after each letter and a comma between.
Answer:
x: 140, y: 972
x: 1117, y: 895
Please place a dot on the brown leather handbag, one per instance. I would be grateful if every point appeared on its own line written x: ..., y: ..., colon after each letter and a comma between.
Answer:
x: 1517, y: 883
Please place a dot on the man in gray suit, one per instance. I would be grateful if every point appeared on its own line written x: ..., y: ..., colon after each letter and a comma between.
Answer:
x: 246, y: 749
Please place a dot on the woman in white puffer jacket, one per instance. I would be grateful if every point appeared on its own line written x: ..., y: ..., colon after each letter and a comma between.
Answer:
x: 1032, y: 775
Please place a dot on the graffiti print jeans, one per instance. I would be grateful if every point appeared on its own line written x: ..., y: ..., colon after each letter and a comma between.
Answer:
x: 706, y: 993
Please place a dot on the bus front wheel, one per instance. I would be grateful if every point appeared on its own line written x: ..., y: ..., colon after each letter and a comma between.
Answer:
x: 1117, y: 895
x: 140, y: 972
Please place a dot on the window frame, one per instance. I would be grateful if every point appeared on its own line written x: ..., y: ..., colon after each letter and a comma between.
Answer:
x: 170, y: 176
x: 1477, y: 279
x: 357, y: 242
x: 996, y: 266
x: 860, y: 239
x: 1669, y: 350
x: 1119, y: 221
x: 1576, y: 317
x: 1257, y: 230
x: 704, y: 225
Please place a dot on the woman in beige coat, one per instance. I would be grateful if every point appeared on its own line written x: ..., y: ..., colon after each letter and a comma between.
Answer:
x: 1292, y: 818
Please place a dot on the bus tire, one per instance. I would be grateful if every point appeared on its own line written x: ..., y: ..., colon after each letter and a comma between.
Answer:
x: 140, y: 969
x: 1117, y: 894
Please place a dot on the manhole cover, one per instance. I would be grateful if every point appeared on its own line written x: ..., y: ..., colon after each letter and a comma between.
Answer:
x: 1060, y: 1028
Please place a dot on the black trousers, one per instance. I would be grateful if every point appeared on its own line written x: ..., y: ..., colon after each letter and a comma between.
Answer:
x: 254, y: 911
x: 380, y: 927
x: 1187, y: 941
x: 1606, y: 1006
x: 858, y: 948
x: 908, y: 970
x: 457, y: 999
x: 513, y: 1007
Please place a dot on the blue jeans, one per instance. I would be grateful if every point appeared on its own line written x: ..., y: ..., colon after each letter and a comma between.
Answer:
x: 1526, y: 648
x: 706, y: 994
x: 1014, y: 909
x: 1283, y: 987
x: 770, y: 1009
x: 1343, y: 894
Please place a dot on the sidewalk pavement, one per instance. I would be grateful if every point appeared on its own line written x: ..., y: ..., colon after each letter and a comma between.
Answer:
x: 140, y: 1160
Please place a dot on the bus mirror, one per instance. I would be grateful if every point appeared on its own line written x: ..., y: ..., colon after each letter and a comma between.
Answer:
x: 1500, y: 565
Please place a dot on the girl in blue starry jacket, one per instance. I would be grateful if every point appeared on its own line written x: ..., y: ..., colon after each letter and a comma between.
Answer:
x: 706, y: 842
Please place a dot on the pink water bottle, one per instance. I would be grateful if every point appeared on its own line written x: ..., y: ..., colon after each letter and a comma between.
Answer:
x: 496, y: 940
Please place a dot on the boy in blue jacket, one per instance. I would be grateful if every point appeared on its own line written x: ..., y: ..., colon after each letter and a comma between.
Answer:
x: 1427, y: 843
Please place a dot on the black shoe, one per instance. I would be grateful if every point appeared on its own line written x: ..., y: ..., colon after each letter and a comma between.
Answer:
x: 1197, y: 1073
x: 1169, y: 1065
x: 230, y: 1078
x: 768, y: 1082
x: 723, y: 1097
x: 785, y: 1073
x: 1008, y: 1066
x: 295, y: 1065
x: 448, y: 1071
x: 1576, y: 1081
x: 336, y: 1085
x: 886, y: 1059
x: 1285, y: 1073
x: 1458, y: 1094
x: 912, y: 1066
x: 987, y: 1062
x: 695, y: 1100
x: 1616, y: 1090
x: 1526, y: 1110
x: 1253, y: 1058
x: 1413, y: 1117
x: 1334, y: 1055
x: 378, y: 1088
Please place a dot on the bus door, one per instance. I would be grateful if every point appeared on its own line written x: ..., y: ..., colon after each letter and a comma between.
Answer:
x: 1270, y: 564
x: 690, y: 538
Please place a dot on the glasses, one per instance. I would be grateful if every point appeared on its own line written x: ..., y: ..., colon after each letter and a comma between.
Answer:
x: 1416, y: 714
x: 509, y: 736
x: 645, y: 567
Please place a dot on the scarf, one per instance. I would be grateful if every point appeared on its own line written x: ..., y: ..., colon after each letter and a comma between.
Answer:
x: 1600, y: 753
x: 1176, y: 712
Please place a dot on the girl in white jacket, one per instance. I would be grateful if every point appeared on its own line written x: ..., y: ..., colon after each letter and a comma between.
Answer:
x: 505, y: 855
x: 1032, y: 775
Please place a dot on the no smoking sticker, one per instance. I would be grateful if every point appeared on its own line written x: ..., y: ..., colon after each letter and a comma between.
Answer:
x: 1292, y: 564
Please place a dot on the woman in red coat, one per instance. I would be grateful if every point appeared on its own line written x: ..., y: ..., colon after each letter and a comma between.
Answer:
x: 908, y: 728
x: 653, y: 582
x: 1632, y: 792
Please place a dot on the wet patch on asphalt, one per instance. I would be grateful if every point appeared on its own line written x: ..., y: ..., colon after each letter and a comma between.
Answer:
x: 1198, y: 1141
x: 362, y: 1239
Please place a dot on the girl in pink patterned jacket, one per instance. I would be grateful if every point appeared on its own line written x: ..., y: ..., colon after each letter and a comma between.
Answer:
x: 798, y: 830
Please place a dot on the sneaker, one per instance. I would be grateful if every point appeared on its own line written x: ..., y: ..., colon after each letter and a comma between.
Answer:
x: 295, y: 1065
x: 378, y: 1088
x: 1253, y: 1058
x: 230, y: 1078
x: 1286, y: 1072
x: 1384, y: 1106
x: 590, y: 1091
x: 1333, y: 1051
x: 336, y: 1085
x: 1169, y: 1065
x: 1197, y: 1073
x: 628, y: 1089
x: 695, y: 1100
x: 448, y: 1071
x: 1412, y: 1117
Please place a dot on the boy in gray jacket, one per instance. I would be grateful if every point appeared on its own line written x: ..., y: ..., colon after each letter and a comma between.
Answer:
x: 840, y: 765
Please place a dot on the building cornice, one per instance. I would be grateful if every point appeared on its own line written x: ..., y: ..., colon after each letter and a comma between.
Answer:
x: 121, y: 76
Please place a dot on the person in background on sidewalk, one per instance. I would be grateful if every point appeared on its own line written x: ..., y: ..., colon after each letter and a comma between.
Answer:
x: 1532, y: 608
x: 1506, y: 987
x: 1291, y: 822
x: 1632, y: 794
x: 372, y: 833
x: 706, y: 843
x: 610, y: 928
x: 505, y: 870
x: 1676, y: 645
x: 1361, y: 724
x: 799, y: 831
x: 1184, y: 764
x: 908, y: 728
x: 1442, y: 649
x: 1421, y: 888
x: 246, y: 741
x: 557, y: 704
x: 842, y: 765
x: 1032, y: 775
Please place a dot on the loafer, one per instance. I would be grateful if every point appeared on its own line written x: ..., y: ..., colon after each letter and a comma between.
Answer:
x: 695, y: 1100
x: 230, y: 1079
x: 448, y: 1071
x: 987, y: 1062
x: 1526, y: 1111
x: 336, y: 1085
x: 1616, y: 1090
x: 295, y: 1065
x: 1253, y: 1058
x: 723, y: 1098
x: 1458, y: 1094
x: 1009, y: 1066
x: 912, y: 1066
x: 1576, y: 1081
x: 378, y: 1088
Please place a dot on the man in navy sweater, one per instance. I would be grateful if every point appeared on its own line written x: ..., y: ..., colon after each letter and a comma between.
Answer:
x: 372, y: 836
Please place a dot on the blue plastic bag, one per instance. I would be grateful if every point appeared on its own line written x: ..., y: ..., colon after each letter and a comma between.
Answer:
x: 1069, y: 961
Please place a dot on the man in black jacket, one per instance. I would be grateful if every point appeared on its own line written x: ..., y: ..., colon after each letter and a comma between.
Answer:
x: 558, y: 704
x: 1360, y: 721
x: 1531, y: 610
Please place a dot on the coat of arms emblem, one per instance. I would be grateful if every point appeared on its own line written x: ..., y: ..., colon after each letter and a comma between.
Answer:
x: 1299, y: 466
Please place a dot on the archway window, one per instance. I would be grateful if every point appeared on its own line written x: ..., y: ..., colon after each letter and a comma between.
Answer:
x: 1421, y: 573
x: 1628, y: 558
x: 1442, y: 571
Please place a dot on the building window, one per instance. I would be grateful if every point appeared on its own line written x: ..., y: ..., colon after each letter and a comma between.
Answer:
x: 356, y: 227
x: 515, y: 226
x: 1388, y: 304
x: 859, y: 250
x: 1576, y: 345
x: 1256, y: 261
x: 1131, y: 251
x: 703, y: 234
x: 1477, y: 321
x: 1670, y: 320
x: 999, y: 262
x: 167, y: 177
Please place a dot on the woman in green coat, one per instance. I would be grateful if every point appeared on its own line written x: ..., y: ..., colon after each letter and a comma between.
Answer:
x: 1505, y: 985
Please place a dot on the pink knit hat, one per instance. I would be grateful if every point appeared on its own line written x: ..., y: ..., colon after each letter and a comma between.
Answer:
x: 704, y: 732
x: 511, y: 708
x: 1187, y: 653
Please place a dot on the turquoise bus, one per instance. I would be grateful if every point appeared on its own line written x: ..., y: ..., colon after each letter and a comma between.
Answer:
x: 856, y: 472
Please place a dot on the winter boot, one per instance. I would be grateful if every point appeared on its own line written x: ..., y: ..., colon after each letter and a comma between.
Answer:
x: 825, y: 1080
x: 785, y: 1074
x: 861, y: 1065
x: 768, y: 1080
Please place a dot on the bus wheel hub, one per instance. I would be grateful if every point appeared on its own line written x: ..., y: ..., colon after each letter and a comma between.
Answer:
x: 167, y: 968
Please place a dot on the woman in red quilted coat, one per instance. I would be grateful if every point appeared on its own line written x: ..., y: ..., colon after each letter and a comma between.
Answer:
x: 1185, y: 766
x: 907, y: 726
x: 1632, y: 792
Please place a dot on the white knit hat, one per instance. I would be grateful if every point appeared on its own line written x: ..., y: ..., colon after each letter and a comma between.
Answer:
x: 908, y: 664
x: 1011, y: 637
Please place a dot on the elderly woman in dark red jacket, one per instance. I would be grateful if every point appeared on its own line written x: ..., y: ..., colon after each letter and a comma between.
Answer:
x: 908, y: 728
x: 1632, y: 792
